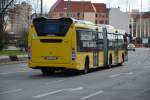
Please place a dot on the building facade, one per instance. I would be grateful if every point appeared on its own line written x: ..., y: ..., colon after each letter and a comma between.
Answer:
x: 140, y: 27
x: 119, y: 19
x: 140, y: 24
x: 19, y: 21
x: 94, y: 12
x: 19, y: 17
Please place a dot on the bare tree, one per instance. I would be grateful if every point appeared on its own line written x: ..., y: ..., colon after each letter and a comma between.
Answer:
x: 4, y: 5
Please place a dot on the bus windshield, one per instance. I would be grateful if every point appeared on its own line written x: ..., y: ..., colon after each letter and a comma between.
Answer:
x: 52, y: 27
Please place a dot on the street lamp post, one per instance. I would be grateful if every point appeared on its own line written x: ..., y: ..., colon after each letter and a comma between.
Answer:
x: 141, y: 21
x: 41, y: 7
x: 127, y: 3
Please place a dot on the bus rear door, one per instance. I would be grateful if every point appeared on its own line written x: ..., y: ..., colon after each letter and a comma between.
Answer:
x: 95, y: 50
x: 105, y: 47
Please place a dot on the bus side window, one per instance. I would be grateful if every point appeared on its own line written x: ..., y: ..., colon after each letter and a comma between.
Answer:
x: 100, y: 40
x: 119, y: 42
x: 122, y: 41
x: 85, y: 40
x: 110, y: 41
x: 113, y: 40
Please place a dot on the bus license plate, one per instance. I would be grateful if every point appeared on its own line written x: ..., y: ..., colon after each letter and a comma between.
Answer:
x: 50, y: 58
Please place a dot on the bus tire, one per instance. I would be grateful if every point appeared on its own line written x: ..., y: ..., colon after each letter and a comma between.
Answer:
x: 110, y: 61
x: 122, y: 58
x: 47, y: 71
x: 86, y: 65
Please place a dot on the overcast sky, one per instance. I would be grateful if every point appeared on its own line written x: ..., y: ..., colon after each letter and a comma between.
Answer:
x: 123, y: 4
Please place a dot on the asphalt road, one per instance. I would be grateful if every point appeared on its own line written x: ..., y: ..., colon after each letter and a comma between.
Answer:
x: 128, y: 82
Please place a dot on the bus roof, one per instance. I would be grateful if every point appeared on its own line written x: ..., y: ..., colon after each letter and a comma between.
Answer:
x: 105, y: 26
x: 78, y: 23
x: 119, y: 31
x: 84, y: 24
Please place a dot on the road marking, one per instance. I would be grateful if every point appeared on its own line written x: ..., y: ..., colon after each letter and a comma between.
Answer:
x: 116, y: 75
x: 5, y: 73
x: 91, y: 95
x: 57, y: 91
x: 146, y: 67
x: 10, y: 91
x: 23, y: 65
x: 49, y: 93
x: 52, y: 82
x: 75, y: 89
x: 130, y: 73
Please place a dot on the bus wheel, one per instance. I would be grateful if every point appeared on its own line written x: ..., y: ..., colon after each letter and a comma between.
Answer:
x: 47, y: 71
x: 110, y: 61
x: 122, y: 58
x: 86, y: 65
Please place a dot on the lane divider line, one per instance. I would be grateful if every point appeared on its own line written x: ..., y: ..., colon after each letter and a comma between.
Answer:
x: 48, y: 83
x: 146, y: 67
x: 57, y: 91
x: 130, y: 73
x: 10, y: 91
x: 49, y: 93
x: 75, y: 89
x: 116, y: 75
x: 91, y: 95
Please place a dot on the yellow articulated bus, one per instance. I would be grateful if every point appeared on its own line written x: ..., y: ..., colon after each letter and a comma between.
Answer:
x: 66, y: 43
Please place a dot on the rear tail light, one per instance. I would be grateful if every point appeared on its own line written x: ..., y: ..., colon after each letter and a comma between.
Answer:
x: 29, y: 53
x: 73, y: 54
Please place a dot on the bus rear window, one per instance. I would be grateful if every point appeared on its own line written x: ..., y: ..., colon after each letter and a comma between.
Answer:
x: 52, y: 27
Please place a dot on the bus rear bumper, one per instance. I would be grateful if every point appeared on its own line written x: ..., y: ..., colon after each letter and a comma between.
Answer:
x: 35, y: 65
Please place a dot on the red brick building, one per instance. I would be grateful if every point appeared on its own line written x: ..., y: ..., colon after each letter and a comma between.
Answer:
x: 95, y: 12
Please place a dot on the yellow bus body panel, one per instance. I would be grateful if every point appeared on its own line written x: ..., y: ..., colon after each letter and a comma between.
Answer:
x: 62, y: 51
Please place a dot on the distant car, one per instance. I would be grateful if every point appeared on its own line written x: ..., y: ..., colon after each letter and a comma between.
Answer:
x: 131, y: 47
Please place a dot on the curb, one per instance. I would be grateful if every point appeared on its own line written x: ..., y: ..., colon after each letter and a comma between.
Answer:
x: 13, y: 59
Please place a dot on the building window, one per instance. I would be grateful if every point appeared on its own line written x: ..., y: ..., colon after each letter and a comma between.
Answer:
x: 83, y: 15
x: 103, y: 15
x: 130, y: 26
x: 99, y: 15
x: 95, y: 21
x: 106, y: 15
x: 74, y: 15
x: 61, y: 14
x: 96, y: 15
x: 101, y: 22
x: 69, y: 14
x: 78, y: 14
x: 106, y: 22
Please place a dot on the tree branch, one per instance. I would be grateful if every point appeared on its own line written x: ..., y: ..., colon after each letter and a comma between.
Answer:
x: 3, y: 10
